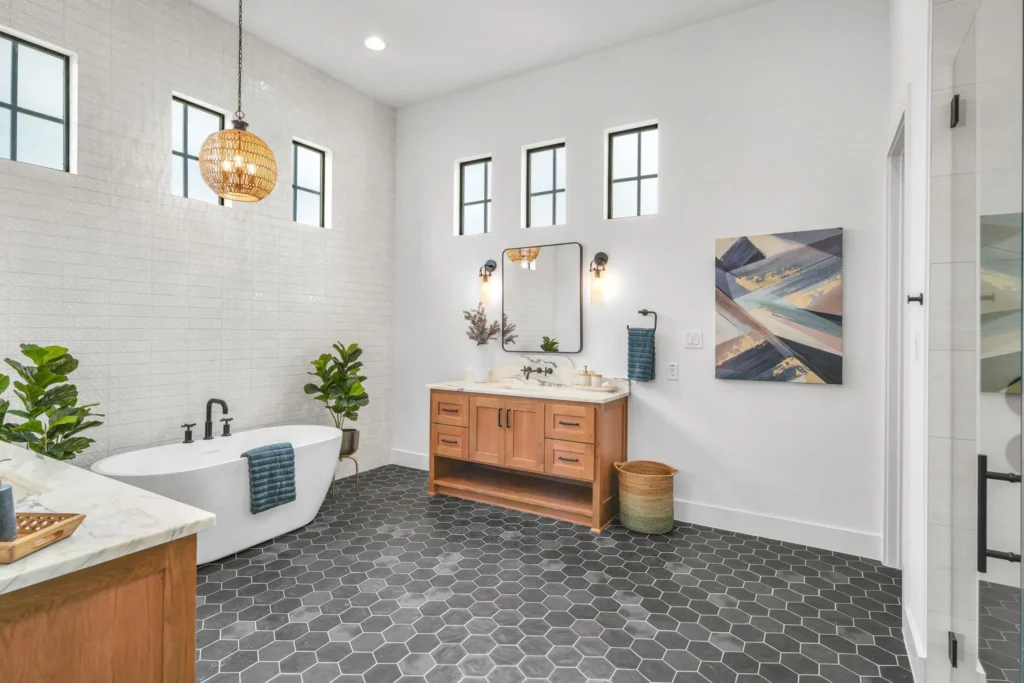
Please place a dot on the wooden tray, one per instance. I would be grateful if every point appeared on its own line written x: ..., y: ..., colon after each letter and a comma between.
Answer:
x: 36, y: 530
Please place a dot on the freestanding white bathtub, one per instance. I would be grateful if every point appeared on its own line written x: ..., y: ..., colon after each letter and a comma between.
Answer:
x: 212, y: 476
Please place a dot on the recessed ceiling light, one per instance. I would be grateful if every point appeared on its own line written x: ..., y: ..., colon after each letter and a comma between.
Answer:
x: 375, y: 43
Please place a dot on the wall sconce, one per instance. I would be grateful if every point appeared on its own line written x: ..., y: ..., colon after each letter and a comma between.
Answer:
x: 486, y: 272
x: 597, y: 268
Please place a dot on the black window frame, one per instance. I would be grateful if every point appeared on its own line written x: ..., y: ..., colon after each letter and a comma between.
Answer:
x: 296, y: 188
x: 183, y: 154
x: 554, y: 191
x: 15, y: 109
x: 486, y: 201
x: 639, y: 177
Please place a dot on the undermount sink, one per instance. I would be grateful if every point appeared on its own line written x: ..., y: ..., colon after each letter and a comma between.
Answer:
x: 22, y: 487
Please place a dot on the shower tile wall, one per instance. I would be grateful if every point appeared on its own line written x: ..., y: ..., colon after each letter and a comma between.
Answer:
x: 169, y: 301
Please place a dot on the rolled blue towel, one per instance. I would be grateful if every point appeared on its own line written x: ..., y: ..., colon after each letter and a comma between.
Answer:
x: 271, y: 476
x: 641, y: 354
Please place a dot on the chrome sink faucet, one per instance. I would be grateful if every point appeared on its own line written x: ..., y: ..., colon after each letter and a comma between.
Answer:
x: 208, y: 432
x: 527, y: 371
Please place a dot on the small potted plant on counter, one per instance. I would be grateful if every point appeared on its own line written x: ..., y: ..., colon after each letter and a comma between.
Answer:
x: 341, y: 390
x: 51, y: 419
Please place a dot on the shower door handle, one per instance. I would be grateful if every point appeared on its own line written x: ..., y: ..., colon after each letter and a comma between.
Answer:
x: 983, y: 552
x: 916, y: 299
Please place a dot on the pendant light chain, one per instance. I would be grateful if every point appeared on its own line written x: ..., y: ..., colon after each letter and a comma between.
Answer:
x: 239, y: 113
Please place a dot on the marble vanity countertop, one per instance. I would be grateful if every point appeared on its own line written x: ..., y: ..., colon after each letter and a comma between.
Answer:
x: 119, y: 519
x: 514, y: 387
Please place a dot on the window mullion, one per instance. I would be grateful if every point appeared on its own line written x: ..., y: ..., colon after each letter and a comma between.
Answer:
x: 184, y: 149
x: 554, y: 184
x: 14, y: 101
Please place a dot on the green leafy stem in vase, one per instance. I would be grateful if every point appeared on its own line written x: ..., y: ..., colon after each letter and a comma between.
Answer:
x: 341, y: 385
x: 51, y: 419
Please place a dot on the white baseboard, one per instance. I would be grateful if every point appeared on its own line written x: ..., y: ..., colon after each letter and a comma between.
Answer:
x: 836, y: 539
x: 857, y: 543
x: 418, y: 461
x: 913, y: 642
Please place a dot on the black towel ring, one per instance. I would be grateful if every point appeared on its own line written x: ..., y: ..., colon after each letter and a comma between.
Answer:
x: 645, y: 312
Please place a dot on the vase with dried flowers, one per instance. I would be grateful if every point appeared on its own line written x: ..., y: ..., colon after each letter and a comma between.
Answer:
x: 481, y: 331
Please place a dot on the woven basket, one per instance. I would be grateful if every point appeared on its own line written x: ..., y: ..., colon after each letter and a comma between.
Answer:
x: 645, y: 496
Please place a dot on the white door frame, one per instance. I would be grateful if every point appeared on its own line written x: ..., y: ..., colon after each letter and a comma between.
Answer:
x: 896, y: 215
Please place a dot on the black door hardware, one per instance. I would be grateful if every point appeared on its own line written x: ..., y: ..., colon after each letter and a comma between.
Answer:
x: 569, y: 424
x: 227, y: 425
x: 916, y: 299
x: 569, y: 459
x: 208, y: 432
x: 508, y: 417
x: 954, y: 654
x: 954, y: 112
x: 983, y: 477
x: 499, y: 418
x: 449, y: 441
x: 449, y: 410
x: 188, y: 432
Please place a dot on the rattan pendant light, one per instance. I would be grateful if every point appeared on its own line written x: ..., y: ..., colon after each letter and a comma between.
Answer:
x: 236, y: 164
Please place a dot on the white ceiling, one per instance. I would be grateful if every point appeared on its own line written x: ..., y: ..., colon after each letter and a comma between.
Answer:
x: 440, y: 46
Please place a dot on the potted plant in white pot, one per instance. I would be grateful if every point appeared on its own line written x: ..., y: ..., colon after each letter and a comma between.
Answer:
x: 481, y: 332
x: 341, y: 390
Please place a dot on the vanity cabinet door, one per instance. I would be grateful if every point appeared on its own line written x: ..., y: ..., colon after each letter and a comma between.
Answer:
x: 524, y: 434
x: 487, y: 430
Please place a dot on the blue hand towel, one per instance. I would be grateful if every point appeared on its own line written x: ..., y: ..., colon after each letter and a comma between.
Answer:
x: 271, y: 476
x: 641, y: 354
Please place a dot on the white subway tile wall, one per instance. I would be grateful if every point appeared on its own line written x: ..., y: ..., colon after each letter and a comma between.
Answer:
x: 169, y: 301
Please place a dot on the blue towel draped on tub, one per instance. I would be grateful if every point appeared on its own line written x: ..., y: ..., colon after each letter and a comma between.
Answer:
x: 641, y: 354
x: 271, y: 476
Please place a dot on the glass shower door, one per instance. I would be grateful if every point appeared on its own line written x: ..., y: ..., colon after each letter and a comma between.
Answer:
x: 987, y: 194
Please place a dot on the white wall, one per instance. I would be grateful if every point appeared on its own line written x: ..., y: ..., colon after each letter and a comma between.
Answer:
x: 774, y: 119
x: 168, y: 301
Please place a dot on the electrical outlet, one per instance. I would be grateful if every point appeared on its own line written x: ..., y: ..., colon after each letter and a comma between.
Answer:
x: 694, y: 340
x: 673, y: 371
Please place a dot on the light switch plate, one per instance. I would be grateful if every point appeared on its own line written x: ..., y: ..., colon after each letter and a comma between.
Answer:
x: 694, y: 340
x: 673, y: 371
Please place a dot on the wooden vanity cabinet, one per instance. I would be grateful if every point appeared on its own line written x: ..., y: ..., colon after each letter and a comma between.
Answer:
x: 549, y: 457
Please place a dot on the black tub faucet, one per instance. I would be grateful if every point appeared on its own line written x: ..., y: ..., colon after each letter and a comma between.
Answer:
x: 208, y: 433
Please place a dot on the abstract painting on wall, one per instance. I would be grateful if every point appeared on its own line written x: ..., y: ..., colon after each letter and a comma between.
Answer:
x: 779, y: 305
x: 1001, y: 303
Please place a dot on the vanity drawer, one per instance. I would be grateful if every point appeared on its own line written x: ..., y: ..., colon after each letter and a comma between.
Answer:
x: 569, y: 459
x: 569, y: 422
x: 452, y: 442
x: 449, y: 409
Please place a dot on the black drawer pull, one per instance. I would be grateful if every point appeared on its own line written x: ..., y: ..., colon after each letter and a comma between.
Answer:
x: 449, y: 410
x: 449, y: 441
x: 569, y: 459
x: 569, y: 424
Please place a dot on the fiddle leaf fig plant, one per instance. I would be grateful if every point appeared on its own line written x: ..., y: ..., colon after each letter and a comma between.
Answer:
x: 51, y: 420
x: 341, y: 386
x: 549, y: 345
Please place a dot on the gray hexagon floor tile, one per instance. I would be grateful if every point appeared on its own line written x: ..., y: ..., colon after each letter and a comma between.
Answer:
x: 390, y: 585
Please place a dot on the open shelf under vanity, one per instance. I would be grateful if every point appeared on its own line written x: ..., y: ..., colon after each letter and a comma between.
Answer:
x: 546, y: 457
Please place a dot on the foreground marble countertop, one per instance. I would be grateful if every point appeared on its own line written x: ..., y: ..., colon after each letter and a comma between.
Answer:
x: 119, y: 519
x: 523, y: 389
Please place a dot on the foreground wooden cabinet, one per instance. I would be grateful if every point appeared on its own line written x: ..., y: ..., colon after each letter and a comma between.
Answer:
x: 548, y: 457
x: 129, y: 620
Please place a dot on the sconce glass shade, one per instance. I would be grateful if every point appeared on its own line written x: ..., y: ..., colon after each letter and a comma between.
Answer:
x: 238, y: 165
x: 528, y: 254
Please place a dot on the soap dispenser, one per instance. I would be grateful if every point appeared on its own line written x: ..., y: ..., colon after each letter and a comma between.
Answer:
x: 584, y: 378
